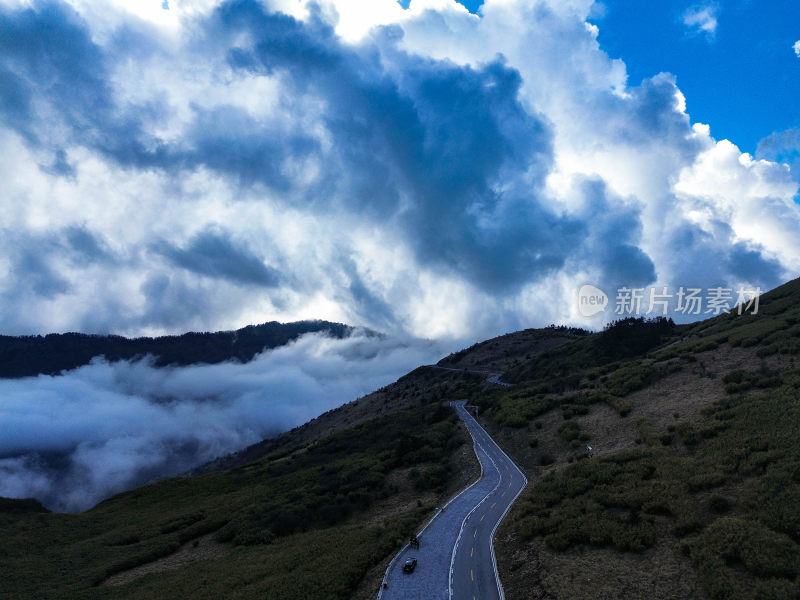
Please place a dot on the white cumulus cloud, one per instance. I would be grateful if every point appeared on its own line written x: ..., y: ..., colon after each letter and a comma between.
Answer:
x: 701, y: 19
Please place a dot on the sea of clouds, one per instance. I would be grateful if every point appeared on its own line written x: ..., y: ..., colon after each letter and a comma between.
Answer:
x: 73, y: 439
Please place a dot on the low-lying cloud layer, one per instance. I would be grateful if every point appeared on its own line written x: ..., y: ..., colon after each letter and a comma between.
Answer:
x: 75, y: 439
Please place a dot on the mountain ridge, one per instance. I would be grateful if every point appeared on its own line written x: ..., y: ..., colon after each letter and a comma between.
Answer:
x: 28, y: 356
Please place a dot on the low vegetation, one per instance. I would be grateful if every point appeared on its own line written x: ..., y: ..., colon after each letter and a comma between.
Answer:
x: 734, y: 502
x: 562, y: 368
x: 294, y: 521
x: 588, y: 371
x: 724, y: 491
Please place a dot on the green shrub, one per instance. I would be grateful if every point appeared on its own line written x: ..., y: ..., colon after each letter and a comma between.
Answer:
x: 737, y: 558
x: 741, y: 380
x: 544, y: 459
x: 720, y: 504
x: 689, y: 435
x: 569, y: 430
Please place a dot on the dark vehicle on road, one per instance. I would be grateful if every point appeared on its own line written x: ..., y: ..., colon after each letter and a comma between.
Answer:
x: 410, y: 565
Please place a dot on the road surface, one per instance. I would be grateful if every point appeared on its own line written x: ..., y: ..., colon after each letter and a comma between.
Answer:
x: 456, y: 557
x: 493, y: 377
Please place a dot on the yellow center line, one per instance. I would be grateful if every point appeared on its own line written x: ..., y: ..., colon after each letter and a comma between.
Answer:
x: 476, y: 533
x: 483, y: 515
x: 471, y: 575
x: 493, y: 504
x: 471, y: 552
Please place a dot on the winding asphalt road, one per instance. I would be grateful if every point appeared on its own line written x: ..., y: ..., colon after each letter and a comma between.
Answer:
x: 456, y: 554
x: 493, y: 377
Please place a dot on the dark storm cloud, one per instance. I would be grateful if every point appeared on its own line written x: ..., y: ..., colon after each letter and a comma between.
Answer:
x: 280, y: 42
x: 58, y: 92
x: 15, y: 102
x: 47, y: 57
x: 750, y: 264
x: 214, y: 254
x: 40, y: 264
x: 364, y: 300
x: 652, y: 108
x: 32, y: 269
x: 170, y: 301
x: 628, y: 265
x: 442, y: 137
x: 86, y: 246
x: 426, y: 144
x: 474, y: 211
x: 228, y: 140
x: 59, y: 165
x: 648, y: 116
x: 54, y: 77
x: 612, y: 238
x: 51, y: 265
x: 706, y: 258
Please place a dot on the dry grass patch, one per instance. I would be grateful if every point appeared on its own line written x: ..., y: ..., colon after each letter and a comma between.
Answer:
x: 203, y: 548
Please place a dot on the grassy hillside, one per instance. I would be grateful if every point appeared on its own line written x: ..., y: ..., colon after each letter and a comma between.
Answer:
x: 692, y: 487
x: 308, y: 522
x: 423, y: 384
x: 506, y: 352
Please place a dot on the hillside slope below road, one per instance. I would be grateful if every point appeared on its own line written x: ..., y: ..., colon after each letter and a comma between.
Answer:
x: 455, y: 557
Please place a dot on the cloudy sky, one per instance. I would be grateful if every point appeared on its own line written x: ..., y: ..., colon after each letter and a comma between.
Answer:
x: 423, y: 170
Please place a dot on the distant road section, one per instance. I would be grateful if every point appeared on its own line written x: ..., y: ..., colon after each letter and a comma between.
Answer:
x: 456, y: 556
x: 492, y: 377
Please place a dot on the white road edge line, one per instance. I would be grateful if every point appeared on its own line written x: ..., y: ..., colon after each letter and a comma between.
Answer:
x: 403, y: 549
x: 461, y: 530
x: 500, y: 520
